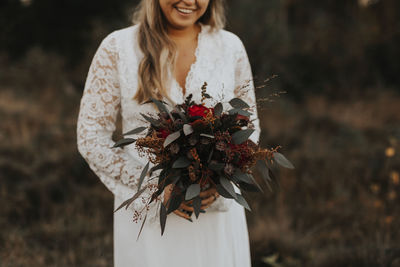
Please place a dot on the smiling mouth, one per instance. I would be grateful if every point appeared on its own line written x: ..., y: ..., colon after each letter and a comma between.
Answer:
x: 185, y: 10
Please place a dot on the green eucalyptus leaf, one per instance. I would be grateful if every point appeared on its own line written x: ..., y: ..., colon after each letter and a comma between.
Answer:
x: 129, y: 201
x: 162, y: 176
x: 227, y: 185
x: 181, y: 162
x: 238, y: 103
x: 141, y: 227
x: 155, y: 168
x: 242, y: 201
x: 181, y: 115
x: 188, y: 99
x: 175, y: 202
x: 240, y: 112
x: 264, y: 170
x: 143, y: 174
x: 163, y: 217
x: 248, y: 187
x: 241, y: 136
x: 192, y: 191
x: 216, y: 166
x: 136, y: 131
x: 197, y: 206
x: 221, y: 190
x: 255, y: 182
x: 282, y: 160
x: 187, y: 129
x: 124, y: 142
x: 207, y: 135
x: 171, y: 138
x: 246, y: 181
x: 175, y: 179
x: 210, y: 155
x: 218, y: 109
x: 154, y: 122
x: 274, y: 180
x: 160, y: 105
x: 241, y: 177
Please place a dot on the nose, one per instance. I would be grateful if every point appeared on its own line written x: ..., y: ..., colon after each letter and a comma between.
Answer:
x: 189, y: 2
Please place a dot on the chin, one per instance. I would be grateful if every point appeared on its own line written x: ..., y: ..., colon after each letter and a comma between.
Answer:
x: 182, y: 24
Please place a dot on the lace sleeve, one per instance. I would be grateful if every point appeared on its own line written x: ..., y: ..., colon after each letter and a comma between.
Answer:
x: 99, y: 107
x: 244, y: 88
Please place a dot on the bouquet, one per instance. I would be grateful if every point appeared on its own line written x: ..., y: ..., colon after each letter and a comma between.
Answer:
x: 194, y: 147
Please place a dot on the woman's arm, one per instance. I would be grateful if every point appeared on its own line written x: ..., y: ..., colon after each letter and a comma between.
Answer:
x: 99, y: 107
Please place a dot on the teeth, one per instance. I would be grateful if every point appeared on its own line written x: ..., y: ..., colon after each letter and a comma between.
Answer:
x: 184, y: 10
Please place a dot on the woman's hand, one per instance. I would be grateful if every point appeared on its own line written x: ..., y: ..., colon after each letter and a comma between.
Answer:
x: 208, y: 197
x: 167, y: 195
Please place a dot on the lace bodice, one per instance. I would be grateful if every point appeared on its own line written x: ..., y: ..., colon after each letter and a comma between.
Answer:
x: 221, y: 61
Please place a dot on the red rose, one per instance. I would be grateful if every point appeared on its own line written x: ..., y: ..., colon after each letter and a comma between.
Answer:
x: 199, y: 110
x: 163, y: 133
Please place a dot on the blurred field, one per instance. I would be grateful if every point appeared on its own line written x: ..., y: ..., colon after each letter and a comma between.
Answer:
x: 338, y: 208
x: 339, y: 123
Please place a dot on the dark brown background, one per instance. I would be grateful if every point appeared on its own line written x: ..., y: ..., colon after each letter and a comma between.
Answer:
x: 339, y: 123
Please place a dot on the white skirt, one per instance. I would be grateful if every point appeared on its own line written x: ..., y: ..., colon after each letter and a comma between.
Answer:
x: 217, y: 239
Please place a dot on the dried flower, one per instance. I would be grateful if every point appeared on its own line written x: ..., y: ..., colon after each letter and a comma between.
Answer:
x: 194, y: 154
x: 163, y: 133
x: 192, y: 140
x: 220, y: 145
x: 192, y: 173
x: 174, y: 148
x: 229, y: 169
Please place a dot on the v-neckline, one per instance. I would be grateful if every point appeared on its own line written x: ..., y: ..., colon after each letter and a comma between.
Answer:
x: 190, y: 72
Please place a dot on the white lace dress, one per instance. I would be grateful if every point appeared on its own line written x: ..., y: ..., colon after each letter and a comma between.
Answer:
x: 219, y: 237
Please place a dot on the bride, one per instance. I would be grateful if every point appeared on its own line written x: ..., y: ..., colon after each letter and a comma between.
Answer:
x: 173, y: 48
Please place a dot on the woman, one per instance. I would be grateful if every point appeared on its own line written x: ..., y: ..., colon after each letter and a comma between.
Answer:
x: 174, y: 47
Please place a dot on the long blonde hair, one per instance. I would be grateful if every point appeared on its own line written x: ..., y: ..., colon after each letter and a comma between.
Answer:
x: 159, y: 50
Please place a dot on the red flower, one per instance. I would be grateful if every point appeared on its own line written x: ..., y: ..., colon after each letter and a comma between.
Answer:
x: 163, y: 133
x: 243, y: 151
x: 199, y: 110
x: 241, y: 117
